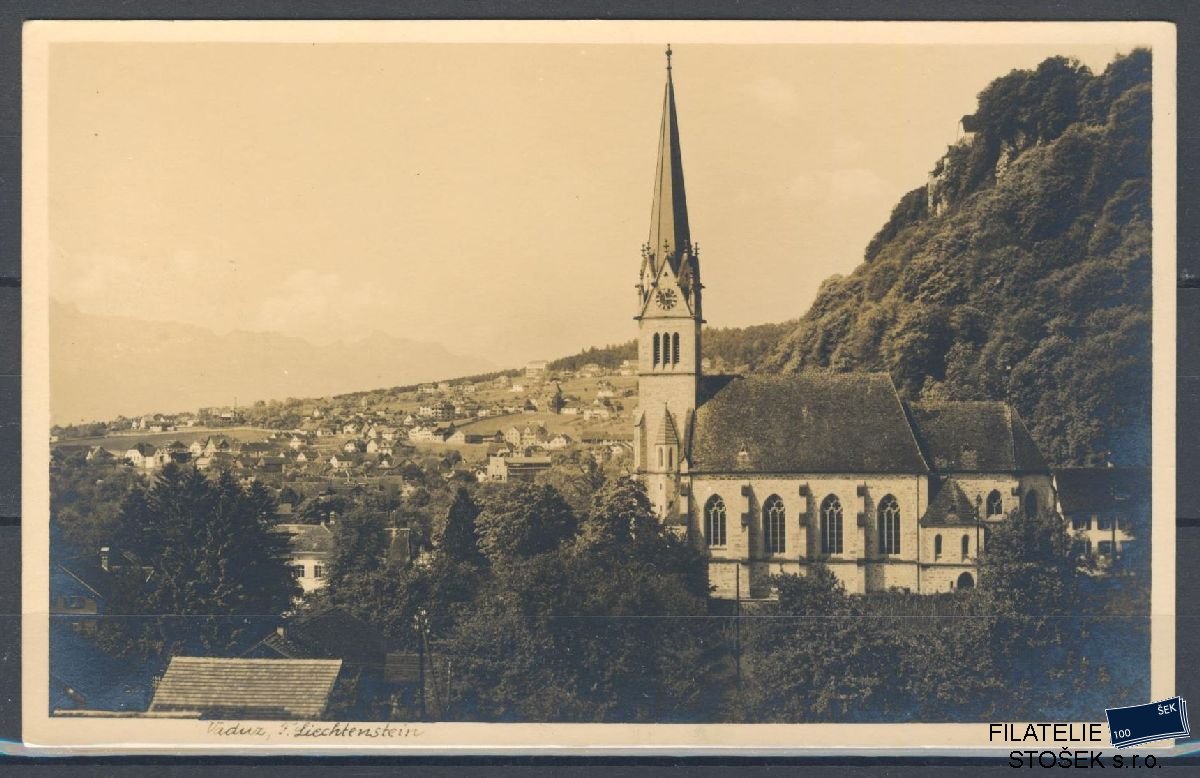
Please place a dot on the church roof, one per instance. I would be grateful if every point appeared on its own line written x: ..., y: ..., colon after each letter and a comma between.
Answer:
x: 667, y: 435
x: 669, y: 232
x: 803, y: 423
x: 950, y: 506
x: 975, y: 437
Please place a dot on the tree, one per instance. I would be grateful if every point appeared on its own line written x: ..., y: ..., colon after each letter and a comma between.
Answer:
x: 457, y: 538
x: 206, y: 551
x: 523, y: 520
x: 1042, y: 230
x: 577, y: 476
x: 1032, y: 586
x: 815, y: 659
x: 360, y: 545
x: 605, y: 626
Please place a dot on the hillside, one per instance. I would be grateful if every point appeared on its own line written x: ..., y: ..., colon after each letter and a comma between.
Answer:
x: 1021, y: 271
x: 105, y: 366
x: 730, y: 348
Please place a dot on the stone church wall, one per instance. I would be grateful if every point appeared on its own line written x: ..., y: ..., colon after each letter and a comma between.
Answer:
x: 802, y: 496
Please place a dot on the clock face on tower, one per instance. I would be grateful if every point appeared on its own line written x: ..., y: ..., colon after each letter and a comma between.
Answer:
x: 666, y: 299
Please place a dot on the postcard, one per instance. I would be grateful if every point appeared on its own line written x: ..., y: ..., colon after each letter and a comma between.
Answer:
x: 597, y: 387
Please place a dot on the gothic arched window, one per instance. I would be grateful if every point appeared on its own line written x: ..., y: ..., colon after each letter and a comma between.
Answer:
x: 831, y: 525
x: 774, y: 525
x: 656, y: 349
x: 966, y: 546
x: 889, y: 525
x: 1031, y: 503
x: 995, y: 503
x: 675, y: 349
x: 714, y: 521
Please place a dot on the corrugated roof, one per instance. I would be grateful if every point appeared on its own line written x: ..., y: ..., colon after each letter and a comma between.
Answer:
x: 803, y: 423
x: 284, y: 688
x: 975, y: 437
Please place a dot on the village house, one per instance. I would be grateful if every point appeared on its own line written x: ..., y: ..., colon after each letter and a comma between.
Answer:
x: 516, y: 468
x: 430, y: 434
x: 1106, y: 509
x: 172, y: 453
x: 99, y: 455
x: 141, y: 456
x: 270, y: 464
x: 311, y: 551
x: 591, y: 370
x: 236, y: 688
x: 461, y: 436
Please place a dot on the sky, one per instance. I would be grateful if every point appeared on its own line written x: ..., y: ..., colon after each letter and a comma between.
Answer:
x: 488, y: 197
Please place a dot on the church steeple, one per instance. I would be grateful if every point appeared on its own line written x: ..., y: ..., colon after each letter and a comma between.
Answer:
x: 669, y: 258
x: 669, y: 234
x: 669, y: 323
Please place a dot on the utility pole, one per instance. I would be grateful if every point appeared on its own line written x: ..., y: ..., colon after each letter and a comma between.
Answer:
x: 737, y: 623
x: 421, y: 627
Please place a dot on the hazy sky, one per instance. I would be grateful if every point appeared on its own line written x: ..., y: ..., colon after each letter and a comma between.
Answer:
x: 492, y: 198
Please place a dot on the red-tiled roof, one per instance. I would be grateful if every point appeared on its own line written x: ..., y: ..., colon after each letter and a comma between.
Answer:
x: 264, y: 688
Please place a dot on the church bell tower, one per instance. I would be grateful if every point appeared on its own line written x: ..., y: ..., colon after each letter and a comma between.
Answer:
x: 669, y: 321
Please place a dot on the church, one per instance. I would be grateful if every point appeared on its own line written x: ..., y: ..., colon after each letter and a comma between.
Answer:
x: 772, y: 473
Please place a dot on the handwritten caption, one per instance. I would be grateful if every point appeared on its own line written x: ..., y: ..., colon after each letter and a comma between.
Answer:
x: 304, y: 730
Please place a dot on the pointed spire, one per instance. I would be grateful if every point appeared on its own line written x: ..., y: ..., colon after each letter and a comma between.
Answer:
x: 669, y: 234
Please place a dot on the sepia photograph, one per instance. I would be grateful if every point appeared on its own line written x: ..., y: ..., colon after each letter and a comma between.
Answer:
x: 390, y: 382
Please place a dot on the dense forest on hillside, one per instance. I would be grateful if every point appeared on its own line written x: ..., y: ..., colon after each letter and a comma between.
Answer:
x: 1021, y: 271
x: 730, y: 348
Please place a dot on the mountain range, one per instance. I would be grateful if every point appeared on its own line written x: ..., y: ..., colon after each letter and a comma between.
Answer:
x: 105, y: 366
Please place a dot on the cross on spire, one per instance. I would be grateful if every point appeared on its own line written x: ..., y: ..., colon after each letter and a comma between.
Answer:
x: 668, y: 58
